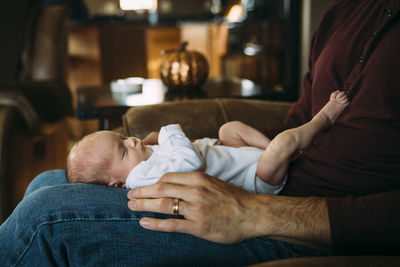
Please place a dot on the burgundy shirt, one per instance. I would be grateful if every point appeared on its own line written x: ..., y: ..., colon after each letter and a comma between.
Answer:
x: 355, y: 163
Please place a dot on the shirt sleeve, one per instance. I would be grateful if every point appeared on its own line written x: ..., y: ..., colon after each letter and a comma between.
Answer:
x: 183, y: 155
x: 358, y: 224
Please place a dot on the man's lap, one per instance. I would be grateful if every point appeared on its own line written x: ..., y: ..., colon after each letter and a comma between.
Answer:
x: 82, y: 224
x: 47, y: 178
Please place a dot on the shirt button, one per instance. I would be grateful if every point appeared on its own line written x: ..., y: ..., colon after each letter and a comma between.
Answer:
x: 373, y: 34
x: 388, y: 13
x: 361, y: 59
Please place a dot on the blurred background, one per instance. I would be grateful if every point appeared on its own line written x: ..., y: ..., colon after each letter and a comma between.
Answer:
x: 61, y: 56
x: 265, y: 41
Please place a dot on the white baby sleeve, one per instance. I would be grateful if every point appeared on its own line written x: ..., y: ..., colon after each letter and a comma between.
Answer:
x: 175, y: 153
x: 183, y: 155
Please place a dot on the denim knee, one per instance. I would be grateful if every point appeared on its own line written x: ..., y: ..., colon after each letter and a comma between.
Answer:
x: 32, y: 224
x: 47, y: 178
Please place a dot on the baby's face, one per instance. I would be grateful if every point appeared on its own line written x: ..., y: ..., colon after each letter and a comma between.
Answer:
x: 123, y: 153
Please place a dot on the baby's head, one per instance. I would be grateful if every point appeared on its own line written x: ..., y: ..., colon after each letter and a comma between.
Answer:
x: 105, y: 157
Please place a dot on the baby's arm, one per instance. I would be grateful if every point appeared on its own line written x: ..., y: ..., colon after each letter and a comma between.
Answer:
x: 238, y: 134
x: 175, y: 153
x: 184, y: 156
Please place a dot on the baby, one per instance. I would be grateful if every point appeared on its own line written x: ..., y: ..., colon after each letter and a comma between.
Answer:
x: 242, y: 156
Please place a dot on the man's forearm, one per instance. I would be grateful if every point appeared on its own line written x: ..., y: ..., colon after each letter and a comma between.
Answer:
x: 302, y: 221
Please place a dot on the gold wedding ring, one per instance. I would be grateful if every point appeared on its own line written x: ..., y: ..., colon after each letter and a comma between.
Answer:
x: 175, y: 206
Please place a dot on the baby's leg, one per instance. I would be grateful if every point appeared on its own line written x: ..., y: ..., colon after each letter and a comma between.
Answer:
x: 238, y: 134
x: 273, y: 163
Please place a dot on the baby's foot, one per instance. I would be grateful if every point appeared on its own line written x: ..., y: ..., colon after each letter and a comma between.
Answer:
x: 336, y: 104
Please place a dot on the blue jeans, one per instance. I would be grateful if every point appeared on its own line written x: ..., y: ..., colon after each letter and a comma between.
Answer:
x: 60, y: 224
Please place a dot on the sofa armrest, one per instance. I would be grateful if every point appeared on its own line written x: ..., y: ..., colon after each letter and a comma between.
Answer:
x: 203, y: 117
x: 14, y: 99
x: 37, y: 101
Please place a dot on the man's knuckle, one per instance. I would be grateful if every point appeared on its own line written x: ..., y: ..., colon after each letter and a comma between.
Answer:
x: 159, y: 188
x: 197, y: 192
x: 197, y: 177
x: 164, y: 204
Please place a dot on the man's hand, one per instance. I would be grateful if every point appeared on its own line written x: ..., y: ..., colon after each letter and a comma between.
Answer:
x: 222, y: 213
x: 213, y: 209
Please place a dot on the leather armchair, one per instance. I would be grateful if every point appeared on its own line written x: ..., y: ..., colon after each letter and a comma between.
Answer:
x: 202, y: 118
x: 34, y: 98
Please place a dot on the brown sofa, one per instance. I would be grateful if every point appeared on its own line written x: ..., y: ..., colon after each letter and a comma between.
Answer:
x: 201, y: 118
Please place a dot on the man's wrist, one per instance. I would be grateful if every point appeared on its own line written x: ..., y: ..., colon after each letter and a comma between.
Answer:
x: 294, y: 219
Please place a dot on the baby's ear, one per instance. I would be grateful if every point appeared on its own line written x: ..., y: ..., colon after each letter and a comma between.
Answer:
x: 113, y: 184
x: 116, y: 184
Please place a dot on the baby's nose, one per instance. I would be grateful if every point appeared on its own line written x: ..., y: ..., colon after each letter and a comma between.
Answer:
x: 131, y: 142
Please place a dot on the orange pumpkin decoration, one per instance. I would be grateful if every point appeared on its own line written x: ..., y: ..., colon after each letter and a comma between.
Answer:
x: 183, y: 70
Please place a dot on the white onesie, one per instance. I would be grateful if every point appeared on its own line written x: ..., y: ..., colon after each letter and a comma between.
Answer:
x: 176, y: 153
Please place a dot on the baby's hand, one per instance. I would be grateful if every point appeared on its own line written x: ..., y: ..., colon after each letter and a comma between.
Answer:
x: 151, y: 139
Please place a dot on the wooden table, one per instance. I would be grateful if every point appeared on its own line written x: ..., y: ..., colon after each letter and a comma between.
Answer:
x: 100, y: 102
